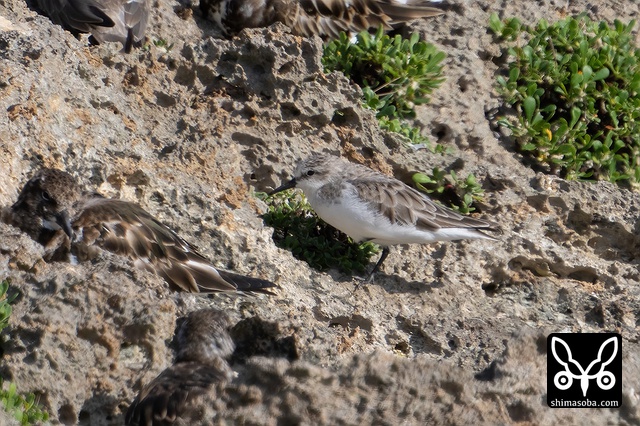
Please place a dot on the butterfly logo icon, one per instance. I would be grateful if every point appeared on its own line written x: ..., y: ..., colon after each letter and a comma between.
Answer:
x: 564, y: 379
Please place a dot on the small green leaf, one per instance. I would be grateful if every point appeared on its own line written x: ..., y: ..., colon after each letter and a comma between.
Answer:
x: 576, y: 113
x: 587, y: 72
x: 421, y: 178
x: 601, y: 74
x: 514, y: 73
x: 496, y: 24
x: 566, y: 149
x: 529, y: 106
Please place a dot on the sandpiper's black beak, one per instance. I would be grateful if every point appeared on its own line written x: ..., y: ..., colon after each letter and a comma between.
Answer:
x: 62, y: 219
x: 291, y: 184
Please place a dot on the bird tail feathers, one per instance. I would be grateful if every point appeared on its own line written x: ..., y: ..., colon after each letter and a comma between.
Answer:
x: 402, y: 12
x: 248, y: 284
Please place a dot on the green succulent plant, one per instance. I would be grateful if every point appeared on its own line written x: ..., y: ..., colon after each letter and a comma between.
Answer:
x: 298, y: 229
x: 23, y: 408
x: 574, y: 86
x: 395, y: 75
x: 5, y: 304
x: 457, y: 192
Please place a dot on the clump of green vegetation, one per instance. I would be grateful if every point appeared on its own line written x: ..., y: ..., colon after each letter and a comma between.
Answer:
x: 574, y: 85
x: 298, y: 229
x: 5, y: 304
x: 395, y: 74
x: 162, y: 43
x: 23, y: 408
x: 460, y: 193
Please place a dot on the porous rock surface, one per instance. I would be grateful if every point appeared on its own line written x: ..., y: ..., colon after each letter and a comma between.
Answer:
x: 448, y: 333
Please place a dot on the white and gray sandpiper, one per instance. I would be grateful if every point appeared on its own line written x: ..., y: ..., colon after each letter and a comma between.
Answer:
x: 370, y: 206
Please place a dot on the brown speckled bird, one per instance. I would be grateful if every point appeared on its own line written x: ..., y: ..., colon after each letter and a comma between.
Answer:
x: 203, y: 345
x: 326, y: 18
x: 53, y: 209
x: 123, y: 21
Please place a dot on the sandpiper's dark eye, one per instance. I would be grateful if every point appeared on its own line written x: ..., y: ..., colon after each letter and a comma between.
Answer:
x: 46, y: 196
x: 310, y: 173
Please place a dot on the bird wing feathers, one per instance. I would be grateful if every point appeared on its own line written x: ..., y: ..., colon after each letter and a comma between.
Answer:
x: 404, y: 205
x: 165, y: 398
x: 123, y: 21
x: 130, y: 18
x: 330, y: 17
x: 326, y: 18
x: 76, y: 15
x: 126, y: 229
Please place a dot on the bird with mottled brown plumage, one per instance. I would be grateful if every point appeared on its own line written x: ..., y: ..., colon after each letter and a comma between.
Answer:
x: 123, y: 21
x: 72, y: 224
x: 326, y: 18
x: 203, y: 345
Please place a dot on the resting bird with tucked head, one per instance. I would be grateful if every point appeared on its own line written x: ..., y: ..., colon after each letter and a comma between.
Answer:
x: 53, y: 209
x: 326, y: 18
x: 123, y: 21
x: 203, y: 345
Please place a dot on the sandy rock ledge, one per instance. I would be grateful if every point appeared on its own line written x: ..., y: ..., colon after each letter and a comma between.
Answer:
x: 449, y: 333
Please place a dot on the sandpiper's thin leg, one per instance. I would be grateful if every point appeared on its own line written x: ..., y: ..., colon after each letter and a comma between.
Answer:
x: 383, y: 256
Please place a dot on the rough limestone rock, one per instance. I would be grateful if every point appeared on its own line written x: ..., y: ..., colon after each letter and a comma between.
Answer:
x: 448, y: 333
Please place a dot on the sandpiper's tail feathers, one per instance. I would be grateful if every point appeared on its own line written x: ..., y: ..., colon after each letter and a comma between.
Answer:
x: 190, y: 271
x: 446, y: 218
x: 455, y: 224
x: 248, y: 284
x: 483, y: 236
x: 400, y: 12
